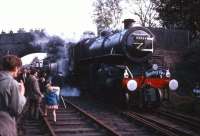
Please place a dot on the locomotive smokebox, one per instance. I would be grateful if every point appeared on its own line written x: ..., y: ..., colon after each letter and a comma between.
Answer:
x: 128, y: 23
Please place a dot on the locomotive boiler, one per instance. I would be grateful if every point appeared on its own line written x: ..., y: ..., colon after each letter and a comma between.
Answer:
x: 115, y: 66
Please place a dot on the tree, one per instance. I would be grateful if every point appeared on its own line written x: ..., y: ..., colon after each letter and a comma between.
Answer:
x: 21, y: 30
x: 187, y: 70
x: 181, y: 14
x: 88, y: 34
x: 144, y: 10
x: 107, y: 14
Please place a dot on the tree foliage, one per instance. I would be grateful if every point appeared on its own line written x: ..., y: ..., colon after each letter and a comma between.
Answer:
x: 187, y: 71
x: 107, y: 14
x: 145, y: 11
x: 182, y: 14
x: 88, y: 34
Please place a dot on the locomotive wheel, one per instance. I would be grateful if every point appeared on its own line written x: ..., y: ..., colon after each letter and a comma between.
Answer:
x: 151, y: 97
x: 141, y: 99
x: 127, y: 97
x: 165, y: 95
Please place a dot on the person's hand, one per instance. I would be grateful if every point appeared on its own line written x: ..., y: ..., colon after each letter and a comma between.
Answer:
x: 57, y: 88
x: 42, y: 96
x: 21, y: 88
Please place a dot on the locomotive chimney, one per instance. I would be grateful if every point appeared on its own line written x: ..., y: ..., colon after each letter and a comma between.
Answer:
x: 128, y: 23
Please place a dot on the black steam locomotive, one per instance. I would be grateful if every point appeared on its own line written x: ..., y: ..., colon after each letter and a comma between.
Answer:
x: 115, y: 66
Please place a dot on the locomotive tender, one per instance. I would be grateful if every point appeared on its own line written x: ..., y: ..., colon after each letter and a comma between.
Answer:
x: 116, y: 66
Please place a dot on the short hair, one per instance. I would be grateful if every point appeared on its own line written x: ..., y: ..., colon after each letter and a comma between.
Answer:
x: 8, y: 125
x: 33, y: 71
x: 10, y: 62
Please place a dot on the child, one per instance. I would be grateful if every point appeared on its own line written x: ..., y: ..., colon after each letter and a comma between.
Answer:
x: 52, y: 99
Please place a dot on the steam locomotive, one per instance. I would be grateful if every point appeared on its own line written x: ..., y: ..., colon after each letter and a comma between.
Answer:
x: 116, y: 66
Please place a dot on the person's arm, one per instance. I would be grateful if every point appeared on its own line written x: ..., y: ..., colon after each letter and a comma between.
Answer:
x: 22, y: 98
x: 36, y: 88
x: 22, y: 102
x: 57, y: 89
x: 21, y: 88
x: 17, y: 100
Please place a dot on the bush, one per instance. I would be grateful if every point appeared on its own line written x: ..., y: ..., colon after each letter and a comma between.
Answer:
x: 188, y: 70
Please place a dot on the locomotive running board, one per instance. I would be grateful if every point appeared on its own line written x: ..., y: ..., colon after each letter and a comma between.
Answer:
x: 111, y: 58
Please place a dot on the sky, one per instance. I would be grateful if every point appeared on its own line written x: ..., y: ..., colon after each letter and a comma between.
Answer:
x: 29, y: 58
x: 66, y: 18
x: 61, y: 17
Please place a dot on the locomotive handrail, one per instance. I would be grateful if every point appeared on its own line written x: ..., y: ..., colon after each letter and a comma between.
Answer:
x: 129, y: 71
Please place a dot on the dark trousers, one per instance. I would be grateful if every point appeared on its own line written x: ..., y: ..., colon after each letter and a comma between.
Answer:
x: 34, y: 106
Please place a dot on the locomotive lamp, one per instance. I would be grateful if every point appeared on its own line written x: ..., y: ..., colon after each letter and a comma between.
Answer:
x: 132, y: 85
x: 173, y: 84
x: 155, y: 67
x: 168, y: 74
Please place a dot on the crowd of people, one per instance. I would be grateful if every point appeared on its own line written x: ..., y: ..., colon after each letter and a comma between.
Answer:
x: 23, y: 90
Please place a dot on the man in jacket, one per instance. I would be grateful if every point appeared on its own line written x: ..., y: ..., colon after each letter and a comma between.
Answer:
x: 12, y: 98
x: 8, y: 125
x: 34, y: 94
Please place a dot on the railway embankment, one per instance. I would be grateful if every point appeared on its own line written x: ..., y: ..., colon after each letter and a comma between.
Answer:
x: 184, y: 104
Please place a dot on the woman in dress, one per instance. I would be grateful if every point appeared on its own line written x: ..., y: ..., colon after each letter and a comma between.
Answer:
x: 52, y: 99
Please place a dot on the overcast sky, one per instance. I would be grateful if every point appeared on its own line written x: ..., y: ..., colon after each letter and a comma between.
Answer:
x: 67, y: 18
x: 55, y: 16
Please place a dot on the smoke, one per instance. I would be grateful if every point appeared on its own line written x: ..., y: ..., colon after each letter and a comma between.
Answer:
x: 54, y: 46
x: 40, y: 39
x: 69, y: 91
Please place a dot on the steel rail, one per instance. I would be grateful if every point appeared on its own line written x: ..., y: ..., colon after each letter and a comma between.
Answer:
x: 106, y: 127
x: 52, y: 133
x: 194, y: 122
x: 149, y: 124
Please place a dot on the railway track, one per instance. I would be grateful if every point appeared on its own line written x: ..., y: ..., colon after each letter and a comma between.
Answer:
x: 73, y: 121
x: 113, y: 120
x: 32, y: 127
x: 161, y: 125
x: 158, y: 123
x: 192, y: 122
x: 82, y: 117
